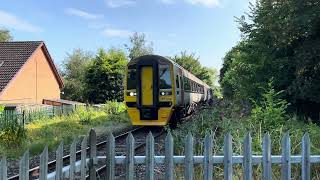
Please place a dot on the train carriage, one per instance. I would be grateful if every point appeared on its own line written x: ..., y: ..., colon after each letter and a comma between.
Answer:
x: 157, y: 87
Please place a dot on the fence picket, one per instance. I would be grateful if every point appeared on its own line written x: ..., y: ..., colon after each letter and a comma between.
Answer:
x: 24, y: 167
x: 207, y: 160
x: 188, y: 170
x: 285, y: 159
x: 44, y: 164
x: 130, y: 157
x: 247, y: 157
x: 150, y: 157
x: 228, y: 173
x: 72, y: 159
x: 3, y: 170
x: 92, y: 155
x: 305, y: 157
x: 169, y: 157
x: 110, y: 161
x: 83, y: 170
x: 266, y: 157
x: 59, y: 162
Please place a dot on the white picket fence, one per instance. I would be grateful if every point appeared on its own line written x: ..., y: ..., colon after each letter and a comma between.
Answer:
x: 87, y: 166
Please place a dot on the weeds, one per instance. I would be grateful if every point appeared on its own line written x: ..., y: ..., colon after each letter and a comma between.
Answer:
x: 267, y: 116
x: 52, y: 130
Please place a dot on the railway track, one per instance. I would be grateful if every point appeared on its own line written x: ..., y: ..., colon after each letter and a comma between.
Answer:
x: 139, y: 133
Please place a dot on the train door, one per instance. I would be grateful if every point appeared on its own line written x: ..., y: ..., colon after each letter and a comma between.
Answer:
x: 147, y: 86
x: 178, y: 90
x: 182, y: 88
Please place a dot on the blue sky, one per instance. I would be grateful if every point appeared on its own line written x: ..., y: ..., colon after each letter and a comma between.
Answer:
x: 205, y: 27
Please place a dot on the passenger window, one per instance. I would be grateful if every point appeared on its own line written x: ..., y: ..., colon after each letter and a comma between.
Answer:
x: 132, y: 78
x: 177, y: 82
x: 164, y: 77
x: 186, y: 84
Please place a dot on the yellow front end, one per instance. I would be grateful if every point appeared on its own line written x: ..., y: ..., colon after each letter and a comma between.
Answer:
x: 147, y: 94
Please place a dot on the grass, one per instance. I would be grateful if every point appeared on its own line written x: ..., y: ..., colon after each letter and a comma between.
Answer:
x: 51, y: 131
x: 268, y: 116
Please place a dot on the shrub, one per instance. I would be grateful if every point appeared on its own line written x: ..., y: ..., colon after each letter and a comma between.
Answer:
x: 12, y: 135
x: 270, y: 112
x: 1, y: 108
x: 113, y: 107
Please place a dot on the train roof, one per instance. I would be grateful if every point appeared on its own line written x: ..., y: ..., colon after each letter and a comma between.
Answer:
x: 169, y: 60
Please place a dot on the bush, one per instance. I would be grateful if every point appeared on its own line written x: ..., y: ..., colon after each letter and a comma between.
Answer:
x: 113, y: 107
x: 12, y: 136
x: 1, y: 108
x: 270, y: 112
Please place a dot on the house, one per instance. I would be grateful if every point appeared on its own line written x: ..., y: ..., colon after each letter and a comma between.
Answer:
x: 27, y: 73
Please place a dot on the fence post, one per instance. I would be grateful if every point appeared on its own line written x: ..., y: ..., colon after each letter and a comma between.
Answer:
x: 169, y: 157
x: 150, y: 157
x: 266, y: 157
x: 247, y: 158
x: 228, y: 173
x: 188, y: 151
x: 83, y: 164
x: 72, y: 159
x: 130, y: 157
x: 110, y: 160
x: 24, y: 167
x: 44, y: 164
x: 59, y: 162
x: 3, y: 170
x: 305, y: 157
x: 207, y: 161
x: 92, y: 155
x: 285, y: 159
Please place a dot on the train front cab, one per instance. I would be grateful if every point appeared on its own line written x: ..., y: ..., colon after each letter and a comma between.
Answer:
x: 149, y: 92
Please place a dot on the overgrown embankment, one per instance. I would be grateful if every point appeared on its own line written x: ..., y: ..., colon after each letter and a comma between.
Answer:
x: 267, y: 116
x: 14, y: 139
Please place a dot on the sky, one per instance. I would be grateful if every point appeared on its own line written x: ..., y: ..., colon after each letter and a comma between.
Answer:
x: 204, y: 27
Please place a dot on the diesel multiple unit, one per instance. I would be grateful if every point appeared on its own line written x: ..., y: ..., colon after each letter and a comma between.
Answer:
x: 157, y: 87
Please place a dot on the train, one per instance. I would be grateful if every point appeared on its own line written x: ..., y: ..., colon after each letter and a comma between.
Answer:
x: 156, y: 89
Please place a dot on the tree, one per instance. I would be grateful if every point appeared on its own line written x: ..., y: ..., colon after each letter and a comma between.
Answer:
x: 191, y: 63
x: 104, y: 76
x: 280, y: 42
x: 5, y: 35
x: 138, y: 46
x: 73, y: 72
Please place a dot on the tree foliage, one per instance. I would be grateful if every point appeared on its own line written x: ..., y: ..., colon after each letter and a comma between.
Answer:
x: 280, y: 42
x: 104, y: 76
x: 138, y: 46
x: 5, y: 35
x: 73, y: 72
x: 191, y: 63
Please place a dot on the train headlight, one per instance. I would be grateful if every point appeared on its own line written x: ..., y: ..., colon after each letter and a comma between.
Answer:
x: 131, y: 93
x: 165, y: 93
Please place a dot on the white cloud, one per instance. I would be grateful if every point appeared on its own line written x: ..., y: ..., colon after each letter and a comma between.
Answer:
x: 11, y: 21
x: 207, y: 3
x: 120, y: 33
x: 119, y: 3
x: 82, y: 14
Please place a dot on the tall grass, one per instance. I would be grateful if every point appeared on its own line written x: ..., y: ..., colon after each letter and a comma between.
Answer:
x: 267, y: 116
x: 52, y: 130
